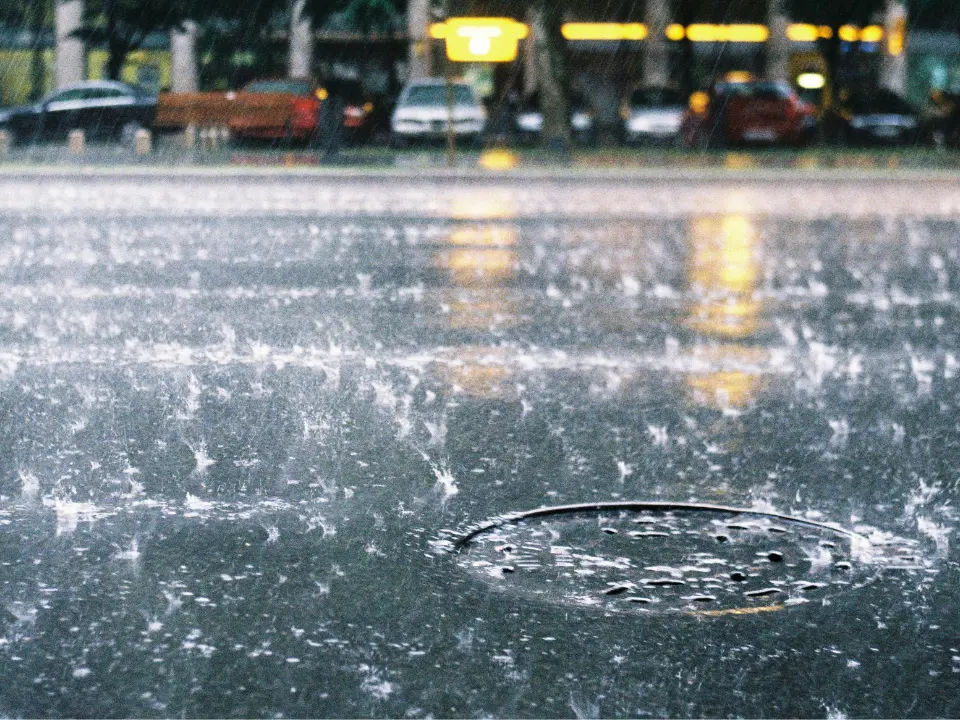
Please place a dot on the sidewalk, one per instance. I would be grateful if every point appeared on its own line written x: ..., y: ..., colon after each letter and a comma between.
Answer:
x: 169, y: 156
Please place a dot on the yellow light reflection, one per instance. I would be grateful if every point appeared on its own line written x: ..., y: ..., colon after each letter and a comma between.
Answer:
x: 896, y: 40
x: 723, y: 254
x: 739, y: 611
x: 484, y: 204
x: 498, y: 159
x: 724, y: 272
x: 480, y: 372
x: 481, y: 263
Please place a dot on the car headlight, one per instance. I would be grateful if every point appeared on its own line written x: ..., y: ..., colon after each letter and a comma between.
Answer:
x: 858, y: 122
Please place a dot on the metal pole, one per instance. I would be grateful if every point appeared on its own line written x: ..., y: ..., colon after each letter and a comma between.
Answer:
x: 448, y: 67
x: 451, y: 136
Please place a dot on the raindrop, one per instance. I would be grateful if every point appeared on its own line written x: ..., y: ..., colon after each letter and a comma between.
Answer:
x: 664, y: 582
x: 737, y: 576
x: 843, y: 565
x: 722, y: 538
x: 775, y: 557
x: 508, y: 569
x: 609, y: 531
x: 617, y: 590
x: 639, y: 600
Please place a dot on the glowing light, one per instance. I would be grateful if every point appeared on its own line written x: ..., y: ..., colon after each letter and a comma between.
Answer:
x: 800, y: 32
x: 848, y: 33
x: 871, y: 34
x: 896, y: 39
x: 604, y: 31
x: 480, y: 39
x: 811, y: 81
x: 739, y: 76
x: 703, y: 32
x: 676, y: 31
x: 699, y: 101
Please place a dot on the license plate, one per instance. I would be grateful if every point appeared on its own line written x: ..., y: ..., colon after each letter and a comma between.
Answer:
x: 760, y: 135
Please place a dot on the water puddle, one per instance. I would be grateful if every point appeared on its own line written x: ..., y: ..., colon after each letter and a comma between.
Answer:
x: 674, y: 557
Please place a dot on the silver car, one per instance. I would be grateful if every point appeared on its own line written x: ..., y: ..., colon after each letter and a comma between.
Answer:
x: 653, y: 114
x: 423, y: 113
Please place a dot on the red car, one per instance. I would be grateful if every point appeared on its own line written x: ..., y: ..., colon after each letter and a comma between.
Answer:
x: 750, y: 113
x: 277, y: 110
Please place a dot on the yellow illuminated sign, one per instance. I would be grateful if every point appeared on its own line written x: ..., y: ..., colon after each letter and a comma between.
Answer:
x: 480, y: 39
x: 801, y: 32
x: 702, y: 32
x: 604, y: 31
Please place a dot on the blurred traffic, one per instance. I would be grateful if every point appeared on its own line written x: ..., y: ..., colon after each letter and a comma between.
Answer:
x: 736, y: 111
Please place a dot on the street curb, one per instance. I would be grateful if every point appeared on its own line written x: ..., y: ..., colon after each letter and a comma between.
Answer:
x: 559, y: 174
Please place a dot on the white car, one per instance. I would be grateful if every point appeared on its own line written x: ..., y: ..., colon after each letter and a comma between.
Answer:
x: 653, y: 114
x: 423, y: 113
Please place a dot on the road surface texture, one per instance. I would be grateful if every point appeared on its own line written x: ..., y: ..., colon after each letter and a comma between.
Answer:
x: 271, y: 441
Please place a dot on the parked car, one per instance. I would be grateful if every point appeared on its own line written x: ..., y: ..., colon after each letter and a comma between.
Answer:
x: 276, y: 109
x: 529, y: 120
x: 750, y: 113
x: 422, y: 113
x: 101, y: 108
x: 875, y: 117
x: 653, y: 114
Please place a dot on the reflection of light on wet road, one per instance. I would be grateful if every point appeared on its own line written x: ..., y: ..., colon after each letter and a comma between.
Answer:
x: 479, y: 371
x: 729, y: 388
x: 498, y: 159
x: 481, y: 265
x: 484, y: 204
x: 723, y: 271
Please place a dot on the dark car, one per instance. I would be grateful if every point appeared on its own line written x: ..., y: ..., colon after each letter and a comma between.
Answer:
x: 653, y: 114
x: 529, y: 120
x: 751, y: 113
x: 877, y: 117
x: 101, y: 108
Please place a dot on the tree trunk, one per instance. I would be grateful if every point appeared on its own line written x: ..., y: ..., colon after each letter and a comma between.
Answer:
x: 118, y: 55
x: 37, y: 20
x: 116, y: 48
x: 553, y: 73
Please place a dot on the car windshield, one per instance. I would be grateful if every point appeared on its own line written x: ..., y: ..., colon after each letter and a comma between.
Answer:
x: 436, y: 95
x: 293, y: 87
x: 655, y: 97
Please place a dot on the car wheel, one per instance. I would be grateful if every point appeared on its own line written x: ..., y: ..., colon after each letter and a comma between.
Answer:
x: 397, y: 142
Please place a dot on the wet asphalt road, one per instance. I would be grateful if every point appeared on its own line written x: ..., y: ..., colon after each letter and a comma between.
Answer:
x: 246, y: 419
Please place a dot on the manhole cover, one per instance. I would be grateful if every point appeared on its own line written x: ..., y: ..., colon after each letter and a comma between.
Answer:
x: 673, y: 557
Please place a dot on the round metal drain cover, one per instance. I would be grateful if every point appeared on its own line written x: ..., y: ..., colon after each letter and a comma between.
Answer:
x: 672, y: 557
